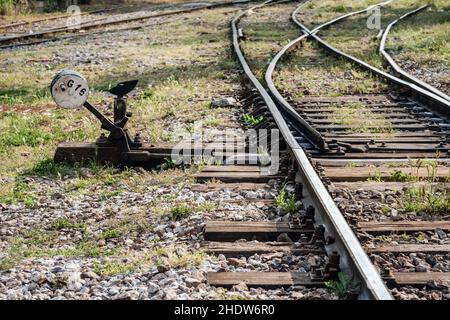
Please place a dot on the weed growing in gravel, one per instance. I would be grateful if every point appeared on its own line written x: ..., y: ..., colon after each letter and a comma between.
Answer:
x: 251, y: 120
x: 426, y: 199
x: 280, y: 199
x: 161, y: 256
x: 344, y: 287
x: 21, y: 192
x: 110, y: 234
x: 110, y: 193
x: 112, y: 268
x: 77, y: 185
x: 189, y: 259
x: 386, y: 210
x: 286, y: 203
x: 168, y: 164
x: 420, y: 237
x: 180, y: 212
x: 376, y: 177
x: 400, y: 176
x: 65, y: 223
x: 213, y: 122
x: 39, y: 243
x: 291, y: 205
x: 23, y: 131
x: 48, y: 168
x: 206, y: 206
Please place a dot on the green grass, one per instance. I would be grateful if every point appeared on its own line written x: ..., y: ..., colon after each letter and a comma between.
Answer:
x: 48, y: 168
x: 213, y: 122
x: 180, y: 212
x: 251, y: 120
x: 426, y: 46
x: 24, y: 95
x: 426, y: 199
x: 65, y: 223
x: 400, y: 176
x: 186, y: 64
x: 343, y: 287
x: 112, y: 268
x: 375, y: 177
x: 23, y: 131
x: 286, y: 203
x: 291, y: 205
x: 110, y: 234
x: 280, y: 199
x: 6, y: 6
x: 20, y: 193
x: 39, y: 243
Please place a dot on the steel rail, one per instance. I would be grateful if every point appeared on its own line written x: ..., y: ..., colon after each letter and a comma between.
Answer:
x: 432, y: 102
x: 19, y: 24
x: 403, y: 74
x: 125, y: 20
x: 353, y: 257
x: 80, y: 35
x: 310, y: 133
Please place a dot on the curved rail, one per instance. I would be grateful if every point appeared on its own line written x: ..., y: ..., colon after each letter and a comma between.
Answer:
x: 397, y: 68
x: 353, y: 257
x: 434, y: 102
x: 310, y: 133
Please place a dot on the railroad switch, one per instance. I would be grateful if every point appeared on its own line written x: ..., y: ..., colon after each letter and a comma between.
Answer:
x: 70, y: 90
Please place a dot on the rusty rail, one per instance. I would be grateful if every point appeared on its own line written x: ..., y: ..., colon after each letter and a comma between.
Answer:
x: 7, y: 40
x: 432, y: 102
x: 18, y: 24
x: 402, y: 73
x: 353, y: 258
x: 310, y: 133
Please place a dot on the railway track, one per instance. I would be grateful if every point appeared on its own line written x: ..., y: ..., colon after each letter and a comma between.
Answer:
x: 317, y: 227
x: 348, y: 182
x: 26, y: 24
x: 376, y: 174
x: 66, y: 32
x: 396, y: 67
x: 404, y: 147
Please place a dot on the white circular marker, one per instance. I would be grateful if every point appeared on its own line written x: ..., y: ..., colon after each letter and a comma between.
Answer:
x: 69, y: 89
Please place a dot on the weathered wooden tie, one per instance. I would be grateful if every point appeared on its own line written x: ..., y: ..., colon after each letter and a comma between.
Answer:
x: 266, y: 280
x: 402, y: 226
x: 410, y: 248
x: 252, y: 247
x: 416, y: 279
x: 236, y: 187
x: 245, y: 174
x: 383, y: 173
x: 252, y: 230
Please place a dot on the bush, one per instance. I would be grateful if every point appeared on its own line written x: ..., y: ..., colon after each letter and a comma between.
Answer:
x: 10, y: 6
x: 6, y: 6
